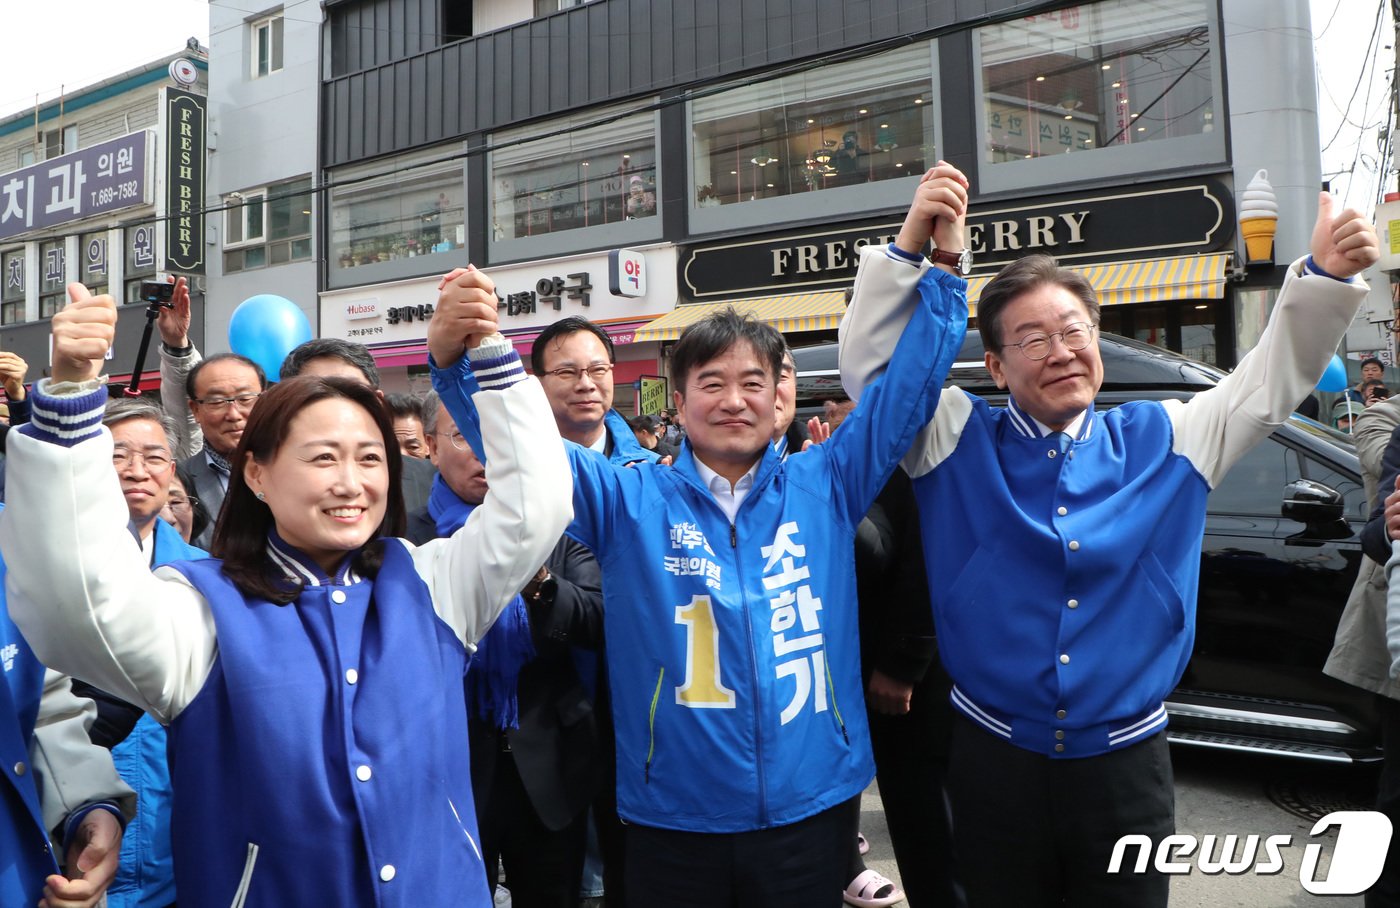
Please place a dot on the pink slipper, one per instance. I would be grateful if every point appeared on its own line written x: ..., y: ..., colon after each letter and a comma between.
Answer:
x: 862, y: 844
x: 872, y: 890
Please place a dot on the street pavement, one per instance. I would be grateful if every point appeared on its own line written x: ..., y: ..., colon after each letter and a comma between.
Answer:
x: 1220, y: 793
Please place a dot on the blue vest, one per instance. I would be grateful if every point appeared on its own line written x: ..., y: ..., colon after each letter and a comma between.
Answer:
x: 300, y: 783
x: 146, y: 876
x: 25, y: 857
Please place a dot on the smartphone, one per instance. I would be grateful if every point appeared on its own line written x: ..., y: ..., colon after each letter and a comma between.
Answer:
x: 157, y: 291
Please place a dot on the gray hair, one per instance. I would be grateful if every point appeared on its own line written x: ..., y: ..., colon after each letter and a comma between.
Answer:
x: 431, y: 400
x: 122, y: 409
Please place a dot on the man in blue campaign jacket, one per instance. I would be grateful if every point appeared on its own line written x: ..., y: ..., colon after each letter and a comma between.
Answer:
x: 1063, y: 547
x: 730, y: 617
x: 47, y: 768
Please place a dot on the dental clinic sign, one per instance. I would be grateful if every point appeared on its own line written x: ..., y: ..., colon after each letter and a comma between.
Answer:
x: 95, y: 180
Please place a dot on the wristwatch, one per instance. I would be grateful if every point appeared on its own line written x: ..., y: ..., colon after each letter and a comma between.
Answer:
x: 540, y: 588
x: 961, y: 262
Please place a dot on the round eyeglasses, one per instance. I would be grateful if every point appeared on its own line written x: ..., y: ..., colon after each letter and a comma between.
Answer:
x: 1075, y: 336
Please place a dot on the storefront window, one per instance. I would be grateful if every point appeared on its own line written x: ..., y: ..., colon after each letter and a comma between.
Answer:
x: 407, y: 211
x: 578, y: 178
x: 1198, y: 327
x: 53, y: 277
x: 12, y: 293
x: 94, y: 271
x: 850, y: 124
x: 1088, y: 81
x: 139, y: 244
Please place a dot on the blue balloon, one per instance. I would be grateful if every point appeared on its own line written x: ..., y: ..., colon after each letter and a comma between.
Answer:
x: 1334, y: 378
x: 265, y: 328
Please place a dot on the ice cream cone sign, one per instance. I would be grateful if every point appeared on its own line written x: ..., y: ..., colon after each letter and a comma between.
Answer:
x: 1259, y: 219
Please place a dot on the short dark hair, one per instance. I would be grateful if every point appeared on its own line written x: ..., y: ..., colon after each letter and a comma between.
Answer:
x: 1372, y: 361
x: 202, y: 517
x: 241, y: 539
x: 717, y: 332
x: 404, y: 406
x: 356, y: 355
x: 572, y: 324
x: 644, y: 423
x: 192, y: 379
x: 1022, y: 276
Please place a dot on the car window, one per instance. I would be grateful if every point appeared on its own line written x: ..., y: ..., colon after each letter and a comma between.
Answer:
x: 1256, y: 482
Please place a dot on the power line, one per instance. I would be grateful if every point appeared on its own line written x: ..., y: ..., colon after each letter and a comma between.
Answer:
x: 1371, y: 46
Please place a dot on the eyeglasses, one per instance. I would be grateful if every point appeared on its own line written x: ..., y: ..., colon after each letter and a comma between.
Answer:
x: 182, y: 503
x: 597, y: 371
x: 457, y: 440
x: 1075, y: 336
x: 155, y: 461
x: 244, y: 402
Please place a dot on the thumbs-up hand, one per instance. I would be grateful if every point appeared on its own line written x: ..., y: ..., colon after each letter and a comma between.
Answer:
x: 1343, y: 244
x: 82, y: 335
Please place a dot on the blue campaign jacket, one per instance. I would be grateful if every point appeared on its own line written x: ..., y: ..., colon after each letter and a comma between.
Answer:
x: 733, y: 650
x: 1115, y: 521
x: 146, y: 876
x: 344, y: 778
x: 25, y: 856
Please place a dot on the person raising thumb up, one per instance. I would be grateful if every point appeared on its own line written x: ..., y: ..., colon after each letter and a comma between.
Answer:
x: 82, y: 335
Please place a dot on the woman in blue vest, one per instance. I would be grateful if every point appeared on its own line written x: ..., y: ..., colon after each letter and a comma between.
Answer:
x: 311, y: 675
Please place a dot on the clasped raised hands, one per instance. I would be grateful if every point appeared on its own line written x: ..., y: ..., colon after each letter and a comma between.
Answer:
x: 465, y: 314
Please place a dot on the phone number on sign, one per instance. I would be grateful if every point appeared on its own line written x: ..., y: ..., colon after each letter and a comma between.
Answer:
x: 128, y: 190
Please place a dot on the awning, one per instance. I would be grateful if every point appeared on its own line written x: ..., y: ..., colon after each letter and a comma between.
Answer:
x: 792, y: 312
x: 1187, y: 277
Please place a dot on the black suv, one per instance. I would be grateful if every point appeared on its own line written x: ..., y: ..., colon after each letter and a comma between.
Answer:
x: 1280, y: 553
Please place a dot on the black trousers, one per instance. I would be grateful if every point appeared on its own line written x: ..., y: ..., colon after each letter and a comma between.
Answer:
x: 543, y: 866
x: 1386, y: 891
x: 801, y: 865
x: 1029, y: 831
x: 911, y: 765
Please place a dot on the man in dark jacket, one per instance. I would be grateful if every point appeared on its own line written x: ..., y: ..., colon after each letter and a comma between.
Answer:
x: 534, y: 741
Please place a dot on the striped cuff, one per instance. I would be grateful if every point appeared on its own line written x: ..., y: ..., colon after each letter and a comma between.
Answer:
x: 1310, y: 266
x: 68, y: 412
x: 75, y: 819
x: 495, y: 364
x: 900, y: 255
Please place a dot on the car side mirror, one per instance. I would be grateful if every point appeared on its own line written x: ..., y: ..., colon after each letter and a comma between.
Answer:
x: 1310, y: 502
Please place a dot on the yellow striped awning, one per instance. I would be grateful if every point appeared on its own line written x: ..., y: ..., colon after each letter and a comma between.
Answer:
x: 1187, y: 277
x: 792, y: 312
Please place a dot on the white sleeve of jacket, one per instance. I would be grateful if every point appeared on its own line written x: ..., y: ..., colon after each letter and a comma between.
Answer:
x: 476, y: 571
x: 69, y: 770
x: 189, y: 439
x: 881, y: 307
x: 80, y: 589
x: 1216, y: 427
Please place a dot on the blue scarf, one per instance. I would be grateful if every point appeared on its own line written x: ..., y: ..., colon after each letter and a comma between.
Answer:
x: 507, y: 646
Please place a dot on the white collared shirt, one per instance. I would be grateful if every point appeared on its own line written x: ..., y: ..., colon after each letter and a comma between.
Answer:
x: 1071, y: 429
x: 726, y: 496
